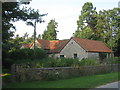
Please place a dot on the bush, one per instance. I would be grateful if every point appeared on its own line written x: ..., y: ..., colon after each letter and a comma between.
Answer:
x: 113, y: 60
x: 88, y: 62
x: 7, y: 62
x: 61, y: 62
x: 69, y: 62
x: 39, y: 53
x: 21, y: 54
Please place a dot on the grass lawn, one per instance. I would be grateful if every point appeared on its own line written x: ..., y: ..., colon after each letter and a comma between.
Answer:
x: 79, y: 82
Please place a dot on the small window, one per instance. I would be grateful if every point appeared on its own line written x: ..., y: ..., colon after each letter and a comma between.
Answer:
x: 71, y: 42
x: 61, y: 56
x: 75, y: 55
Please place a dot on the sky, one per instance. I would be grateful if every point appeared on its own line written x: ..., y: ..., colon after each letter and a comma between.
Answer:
x: 65, y: 13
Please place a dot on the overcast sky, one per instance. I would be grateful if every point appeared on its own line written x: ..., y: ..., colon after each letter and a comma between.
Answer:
x: 65, y: 13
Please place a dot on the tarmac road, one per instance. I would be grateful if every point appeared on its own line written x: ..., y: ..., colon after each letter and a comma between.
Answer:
x: 109, y: 86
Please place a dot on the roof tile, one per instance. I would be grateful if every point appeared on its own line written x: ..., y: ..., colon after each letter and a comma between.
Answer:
x: 92, y: 45
x: 57, y: 45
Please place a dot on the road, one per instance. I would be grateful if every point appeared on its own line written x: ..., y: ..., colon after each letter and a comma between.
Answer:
x: 110, y: 85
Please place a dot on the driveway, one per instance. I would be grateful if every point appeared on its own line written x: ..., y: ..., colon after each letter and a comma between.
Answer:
x: 110, y: 85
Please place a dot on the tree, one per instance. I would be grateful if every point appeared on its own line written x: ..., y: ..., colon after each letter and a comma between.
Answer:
x: 11, y: 12
x: 34, y: 17
x: 27, y: 39
x: 25, y: 36
x: 87, y: 21
x: 117, y: 52
x: 108, y: 26
x: 85, y: 34
x: 39, y: 36
x: 103, y: 26
x: 16, y: 43
x: 51, y: 32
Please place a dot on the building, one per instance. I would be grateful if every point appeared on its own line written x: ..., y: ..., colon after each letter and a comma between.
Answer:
x: 73, y: 48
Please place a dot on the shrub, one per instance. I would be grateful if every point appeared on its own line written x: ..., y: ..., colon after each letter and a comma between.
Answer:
x: 112, y: 60
x: 39, y: 53
x: 69, y: 62
x: 61, y: 62
x: 88, y: 62
x: 21, y: 54
x: 7, y: 62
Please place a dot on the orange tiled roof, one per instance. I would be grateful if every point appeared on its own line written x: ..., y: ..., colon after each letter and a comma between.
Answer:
x: 27, y: 45
x: 88, y: 45
x: 60, y: 45
x: 53, y: 45
x: 92, y: 45
x: 44, y: 43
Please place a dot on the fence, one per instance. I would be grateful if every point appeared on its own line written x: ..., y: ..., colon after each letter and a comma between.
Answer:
x: 25, y: 73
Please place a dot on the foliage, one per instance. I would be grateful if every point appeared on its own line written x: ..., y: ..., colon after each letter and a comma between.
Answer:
x: 117, y: 53
x: 7, y: 63
x: 88, y: 62
x: 87, y: 22
x: 16, y: 43
x: 28, y: 39
x: 22, y: 54
x: 102, y: 56
x: 103, y: 26
x: 86, y: 33
x: 51, y: 32
x: 61, y: 62
x: 11, y: 12
x: 113, y: 60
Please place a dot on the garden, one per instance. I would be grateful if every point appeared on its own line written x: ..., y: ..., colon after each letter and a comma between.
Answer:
x: 36, y: 67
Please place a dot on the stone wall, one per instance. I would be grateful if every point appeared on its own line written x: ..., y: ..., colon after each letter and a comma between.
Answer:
x: 24, y: 73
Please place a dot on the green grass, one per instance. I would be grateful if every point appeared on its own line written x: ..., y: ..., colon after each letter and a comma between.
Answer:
x: 79, y: 82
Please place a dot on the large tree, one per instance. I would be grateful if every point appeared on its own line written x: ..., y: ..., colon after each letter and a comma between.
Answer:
x: 108, y: 26
x: 103, y: 26
x: 51, y: 32
x: 87, y: 21
x: 11, y: 12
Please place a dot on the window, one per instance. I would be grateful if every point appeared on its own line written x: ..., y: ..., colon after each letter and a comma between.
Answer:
x: 61, y: 56
x: 75, y: 55
x: 71, y: 42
